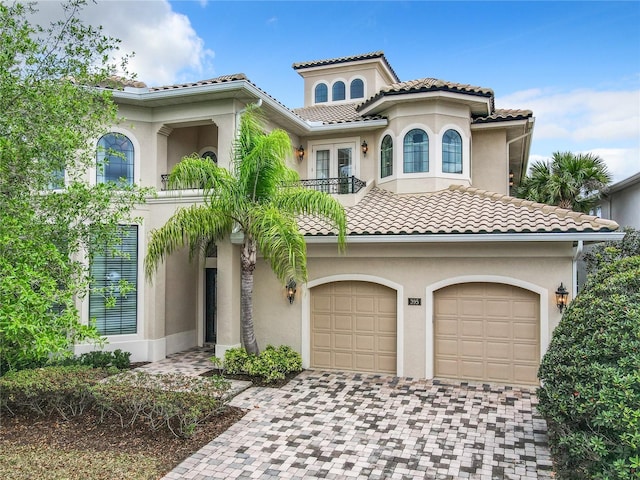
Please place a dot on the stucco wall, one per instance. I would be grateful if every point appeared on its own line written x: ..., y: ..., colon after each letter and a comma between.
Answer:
x: 624, y: 206
x: 489, y: 167
x: 414, y: 268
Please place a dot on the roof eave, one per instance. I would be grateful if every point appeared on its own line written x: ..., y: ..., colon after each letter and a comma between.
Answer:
x: 482, y: 102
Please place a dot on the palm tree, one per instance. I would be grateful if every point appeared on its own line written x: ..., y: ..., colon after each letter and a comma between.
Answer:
x: 571, y: 181
x: 260, y: 198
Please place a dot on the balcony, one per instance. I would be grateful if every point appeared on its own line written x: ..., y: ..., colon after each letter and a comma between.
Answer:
x: 337, y: 186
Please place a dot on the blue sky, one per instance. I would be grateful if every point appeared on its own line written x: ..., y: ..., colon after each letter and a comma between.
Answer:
x: 575, y: 64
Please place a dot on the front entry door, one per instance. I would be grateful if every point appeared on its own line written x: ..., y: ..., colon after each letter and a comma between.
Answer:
x: 210, y: 306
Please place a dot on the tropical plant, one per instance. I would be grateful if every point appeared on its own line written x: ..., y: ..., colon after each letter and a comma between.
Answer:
x: 260, y: 199
x: 571, y: 181
x: 49, y: 124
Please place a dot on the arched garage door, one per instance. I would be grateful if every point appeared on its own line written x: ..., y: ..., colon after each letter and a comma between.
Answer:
x: 353, y: 327
x: 487, y: 332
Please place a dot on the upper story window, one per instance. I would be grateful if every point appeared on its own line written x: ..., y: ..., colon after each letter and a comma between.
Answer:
x: 115, y: 159
x: 357, y: 88
x: 338, y: 91
x: 211, y: 155
x: 386, y: 157
x: 451, y: 152
x: 321, y: 93
x: 416, y: 151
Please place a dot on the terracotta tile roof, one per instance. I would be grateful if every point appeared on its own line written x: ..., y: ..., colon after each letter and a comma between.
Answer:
x: 331, y: 114
x: 456, y: 210
x: 502, y: 114
x: 211, y: 81
x: 352, y: 58
x: 427, y: 85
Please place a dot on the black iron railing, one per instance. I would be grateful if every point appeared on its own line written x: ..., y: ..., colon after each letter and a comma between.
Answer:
x: 339, y: 186
x: 163, y: 179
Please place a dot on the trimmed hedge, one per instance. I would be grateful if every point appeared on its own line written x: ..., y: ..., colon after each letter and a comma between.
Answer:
x: 271, y: 365
x: 590, y: 394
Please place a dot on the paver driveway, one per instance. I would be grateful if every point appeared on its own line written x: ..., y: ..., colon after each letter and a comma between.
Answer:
x: 349, y: 425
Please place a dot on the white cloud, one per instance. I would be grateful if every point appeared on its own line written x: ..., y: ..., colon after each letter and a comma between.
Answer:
x: 603, y: 122
x: 167, y: 48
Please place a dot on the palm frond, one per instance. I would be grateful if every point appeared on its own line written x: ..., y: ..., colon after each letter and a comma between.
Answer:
x: 194, y: 226
x: 305, y: 201
x: 280, y: 242
x: 196, y: 172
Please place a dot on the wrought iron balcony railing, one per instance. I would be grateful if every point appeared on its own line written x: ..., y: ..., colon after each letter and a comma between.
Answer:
x: 341, y: 186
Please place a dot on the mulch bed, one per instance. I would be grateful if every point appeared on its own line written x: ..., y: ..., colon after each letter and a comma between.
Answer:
x: 257, y: 381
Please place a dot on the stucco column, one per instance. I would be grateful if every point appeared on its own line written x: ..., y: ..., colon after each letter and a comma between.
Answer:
x: 162, y: 140
x: 226, y: 135
x: 227, y: 297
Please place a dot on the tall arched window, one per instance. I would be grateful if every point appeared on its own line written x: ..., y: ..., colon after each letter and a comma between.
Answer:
x: 386, y: 156
x: 322, y: 93
x: 357, y: 88
x: 451, y: 152
x: 338, y: 91
x: 416, y: 151
x: 115, y: 159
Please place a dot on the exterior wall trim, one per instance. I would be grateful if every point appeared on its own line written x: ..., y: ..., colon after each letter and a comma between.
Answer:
x: 431, y: 290
x: 306, y: 313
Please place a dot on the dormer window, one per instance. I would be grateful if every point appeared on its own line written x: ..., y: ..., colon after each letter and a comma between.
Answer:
x: 338, y: 91
x: 451, y: 152
x: 321, y: 93
x: 357, y: 88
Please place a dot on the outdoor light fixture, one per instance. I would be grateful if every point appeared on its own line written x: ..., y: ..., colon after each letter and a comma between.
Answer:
x: 300, y: 153
x: 365, y: 148
x: 291, y: 290
x: 562, y: 297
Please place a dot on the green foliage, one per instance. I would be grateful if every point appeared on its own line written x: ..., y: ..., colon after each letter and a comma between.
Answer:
x: 270, y: 365
x: 174, y: 401
x: 65, y: 390
x: 572, y: 181
x: 49, y: 125
x: 591, y: 378
x: 605, y: 253
x: 101, y: 359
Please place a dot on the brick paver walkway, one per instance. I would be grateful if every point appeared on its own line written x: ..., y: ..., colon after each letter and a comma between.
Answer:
x: 349, y: 425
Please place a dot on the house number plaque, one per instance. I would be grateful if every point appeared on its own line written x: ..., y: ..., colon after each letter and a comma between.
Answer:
x: 415, y: 301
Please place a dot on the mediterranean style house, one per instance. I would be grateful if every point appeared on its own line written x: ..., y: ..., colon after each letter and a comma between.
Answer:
x: 445, y: 274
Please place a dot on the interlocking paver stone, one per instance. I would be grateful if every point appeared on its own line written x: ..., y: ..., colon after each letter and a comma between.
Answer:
x: 351, y: 425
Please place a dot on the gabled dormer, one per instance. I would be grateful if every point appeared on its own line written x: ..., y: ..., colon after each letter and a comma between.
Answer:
x: 346, y: 79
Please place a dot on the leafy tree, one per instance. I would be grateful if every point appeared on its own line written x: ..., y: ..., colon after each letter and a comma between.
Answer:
x: 572, y: 181
x: 590, y: 375
x: 49, y: 126
x: 605, y: 253
x: 254, y: 200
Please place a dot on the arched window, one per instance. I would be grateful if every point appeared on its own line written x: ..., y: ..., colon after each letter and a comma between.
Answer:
x: 416, y: 151
x: 115, y: 159
x: 357, y: 88
x: 386, y: 156
x: 451, y: 152
x: 322, y: 93
x: 338, y: 91
x: 210, y: 155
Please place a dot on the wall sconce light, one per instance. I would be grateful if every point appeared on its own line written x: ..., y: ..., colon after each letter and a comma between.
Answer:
x: 511, y: 178
x: 365, y: 148
x: 291, y: 291
x: 300, y: 153
x: 562, y: 297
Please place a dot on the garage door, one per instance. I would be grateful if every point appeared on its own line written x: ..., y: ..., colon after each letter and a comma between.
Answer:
x: 487, y: 332
x: 353, y: 327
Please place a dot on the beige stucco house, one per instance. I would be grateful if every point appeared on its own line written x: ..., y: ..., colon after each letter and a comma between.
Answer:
x: 445, y: 274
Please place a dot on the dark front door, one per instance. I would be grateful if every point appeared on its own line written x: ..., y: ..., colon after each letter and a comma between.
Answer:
x: 210, y: 306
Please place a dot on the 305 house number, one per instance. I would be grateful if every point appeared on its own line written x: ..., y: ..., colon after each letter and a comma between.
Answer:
x: 415, y: 301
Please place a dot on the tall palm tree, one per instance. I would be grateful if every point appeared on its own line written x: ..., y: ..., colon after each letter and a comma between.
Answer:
x: 572, y: 181
x: 260, y: 198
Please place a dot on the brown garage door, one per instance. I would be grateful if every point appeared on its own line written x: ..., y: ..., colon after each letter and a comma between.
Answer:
x: 353, y: 327
x: 487, y: 332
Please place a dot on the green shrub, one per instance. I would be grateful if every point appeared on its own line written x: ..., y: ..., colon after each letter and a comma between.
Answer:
x: 590, y: 375
x: 271, y: 365
x: 62, y: 389
x: 177, y: 402
x: 101, y: 359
